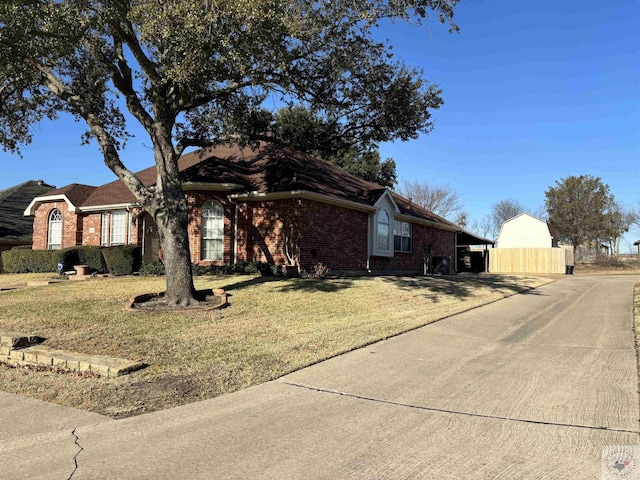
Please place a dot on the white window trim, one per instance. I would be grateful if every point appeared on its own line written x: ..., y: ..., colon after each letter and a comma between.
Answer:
x: 60, y: 224
x: 410, y: 236
x: 107, y: 230
x: 380, y: 250
x: 204, y: 239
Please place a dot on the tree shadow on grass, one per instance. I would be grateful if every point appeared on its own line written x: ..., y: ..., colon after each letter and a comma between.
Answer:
x: 316, y: 285
x: 436, y: 288
x: 295, y: 284
x: 250, y: 283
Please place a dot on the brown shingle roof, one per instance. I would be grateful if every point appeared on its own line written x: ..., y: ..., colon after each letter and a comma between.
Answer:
x: 77, y: 193
x: 267, y: 169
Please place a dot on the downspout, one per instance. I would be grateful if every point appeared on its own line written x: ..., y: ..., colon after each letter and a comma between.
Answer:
x: 455, y: 252
x: 370, y: 236
x: 235, y: 230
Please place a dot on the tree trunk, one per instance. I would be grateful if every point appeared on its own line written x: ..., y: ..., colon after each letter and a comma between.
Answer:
x: 172, y: 219
x: 172, y: 230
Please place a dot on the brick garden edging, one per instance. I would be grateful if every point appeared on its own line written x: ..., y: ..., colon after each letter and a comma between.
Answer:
x: 21, y: 349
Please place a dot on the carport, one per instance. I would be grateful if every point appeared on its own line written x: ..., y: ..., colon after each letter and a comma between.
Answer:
x: 472, y: 252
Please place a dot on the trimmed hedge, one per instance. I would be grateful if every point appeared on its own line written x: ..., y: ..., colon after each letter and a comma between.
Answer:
x: 83, y: 255
x: 116, y: 260
x: 122, y: 260
x: 24, y: 260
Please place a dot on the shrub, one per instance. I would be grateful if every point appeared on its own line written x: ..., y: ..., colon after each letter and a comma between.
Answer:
x: 154, y: 269
x: 23, y: 260
x: 83, y: 255
x: 122, y: 260
x: 319, y: 270
x: 241, y: 268
x: 250, y: 268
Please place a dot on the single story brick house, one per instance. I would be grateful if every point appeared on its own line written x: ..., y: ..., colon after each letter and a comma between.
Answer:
x: 267, y: 204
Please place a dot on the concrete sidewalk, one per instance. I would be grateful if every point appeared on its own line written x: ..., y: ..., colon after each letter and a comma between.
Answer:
x: 532, y: 386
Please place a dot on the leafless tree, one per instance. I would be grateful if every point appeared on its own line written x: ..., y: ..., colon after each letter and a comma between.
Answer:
x: 442, y: 200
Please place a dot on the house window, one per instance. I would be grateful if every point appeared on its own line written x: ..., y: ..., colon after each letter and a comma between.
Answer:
x: 118, y: 228
x: 401, y: 236
x: 114, y: 228
x: 104, y: 231
x: 212, y: 231
x: 54, y: 237
x: 383, y: 230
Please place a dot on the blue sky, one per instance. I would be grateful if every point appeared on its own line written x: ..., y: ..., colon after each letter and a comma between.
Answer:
x: 534, y: 92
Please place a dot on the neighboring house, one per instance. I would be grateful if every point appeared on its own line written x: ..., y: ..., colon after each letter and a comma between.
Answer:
x: 638, y: 245
x: 15, y: 228
x: 270, y: 204
x: 593, y: 252
x: 525, y: 231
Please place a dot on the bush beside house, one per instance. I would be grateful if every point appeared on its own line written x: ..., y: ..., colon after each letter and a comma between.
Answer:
x: 120, y: 260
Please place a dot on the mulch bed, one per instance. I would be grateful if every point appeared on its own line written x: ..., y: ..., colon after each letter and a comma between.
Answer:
x: 155, y: 302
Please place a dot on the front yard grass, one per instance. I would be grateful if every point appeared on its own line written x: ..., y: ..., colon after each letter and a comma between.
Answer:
x: 271, y: 327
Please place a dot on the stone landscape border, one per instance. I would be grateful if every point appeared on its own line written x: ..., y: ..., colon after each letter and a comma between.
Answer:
x: 19, y: 349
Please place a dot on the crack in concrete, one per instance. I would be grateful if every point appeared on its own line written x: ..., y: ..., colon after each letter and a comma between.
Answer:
x: 455, y: 412
x: 75, y: 457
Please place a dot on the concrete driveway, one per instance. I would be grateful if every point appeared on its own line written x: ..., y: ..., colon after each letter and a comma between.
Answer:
x: 530, y: 387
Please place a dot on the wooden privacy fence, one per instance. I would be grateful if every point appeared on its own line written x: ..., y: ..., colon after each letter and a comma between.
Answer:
x: 529, y: 260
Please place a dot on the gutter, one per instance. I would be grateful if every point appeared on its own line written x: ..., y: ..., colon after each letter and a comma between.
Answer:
x: 304, y: 194
x: 235, y: 229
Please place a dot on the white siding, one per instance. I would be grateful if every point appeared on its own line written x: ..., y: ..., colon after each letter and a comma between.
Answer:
x: 524, y: 231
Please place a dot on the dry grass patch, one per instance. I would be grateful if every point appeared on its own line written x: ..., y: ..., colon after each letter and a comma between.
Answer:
x: 609, y: 268
x: 272, y: 327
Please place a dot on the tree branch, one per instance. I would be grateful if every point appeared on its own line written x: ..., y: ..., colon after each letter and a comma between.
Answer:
x: 127, y: 33
x: 122, y: 78
x: 109, y: 151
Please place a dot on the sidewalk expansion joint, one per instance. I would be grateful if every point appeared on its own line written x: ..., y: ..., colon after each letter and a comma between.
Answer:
x: 75, y: 457
x: 455, y: 412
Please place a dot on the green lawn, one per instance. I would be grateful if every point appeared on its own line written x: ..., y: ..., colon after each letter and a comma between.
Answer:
x: 271, y: 327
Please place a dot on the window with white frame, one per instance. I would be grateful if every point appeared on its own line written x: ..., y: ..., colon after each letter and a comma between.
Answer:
x: 54, y: 233
x: 383, y: 230
x: 118, y: 228
x: 114, y: 228
x: 212, y: 231
x: 104, y: 230
x: 401, y: 236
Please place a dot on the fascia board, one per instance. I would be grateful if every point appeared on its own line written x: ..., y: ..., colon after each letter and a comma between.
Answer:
x: 213, y: 187
x: 36, y: 202
x: 102, y: 208
x: 318, y: 197
x: 423, y: 221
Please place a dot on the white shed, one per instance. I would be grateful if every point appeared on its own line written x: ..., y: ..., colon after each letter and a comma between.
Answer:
x: 525, y: 231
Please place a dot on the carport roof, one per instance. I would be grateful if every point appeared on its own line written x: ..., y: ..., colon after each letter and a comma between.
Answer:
x: 467, y: 238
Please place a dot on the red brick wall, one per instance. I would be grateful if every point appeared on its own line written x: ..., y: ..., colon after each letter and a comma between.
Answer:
x: 195, y: 201
x: 77, y: 228
x: 328, y: 234
x: 261, y: 225
x: 334, y: 236
x: 442, y: 243
x: 89, y: 222
x: 71, y: 226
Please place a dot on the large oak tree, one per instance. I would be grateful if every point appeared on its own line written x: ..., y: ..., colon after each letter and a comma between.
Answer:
x: 191, y: 71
